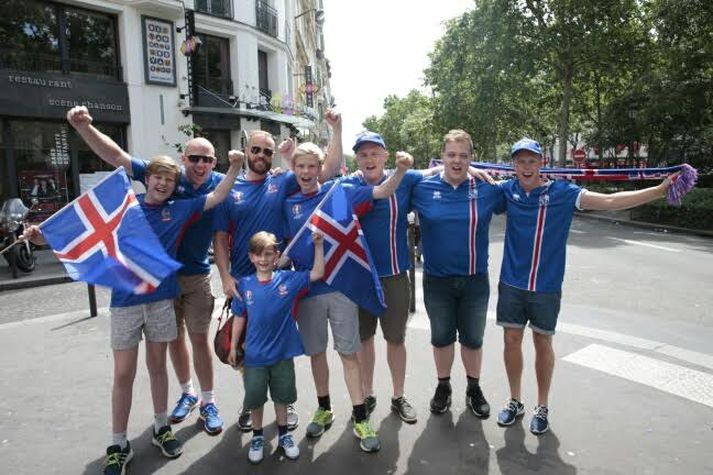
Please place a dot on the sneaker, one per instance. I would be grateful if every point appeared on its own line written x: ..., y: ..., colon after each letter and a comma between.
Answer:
x: 321, y: 421
x: 184, y: 407
x: 212, y: 423
x: 477, y: 403
x: 370, y: 403
x: 257, y: 444
x: 288, y: 446
x: 167, y: 442
x: 117, y: 459
x: 293, y: 419
x: 245, y: 422
x: 512, y: 410
x: 539, y: 424
x: 441, y: 399
x: 369, y: 442
x: 404, y: 409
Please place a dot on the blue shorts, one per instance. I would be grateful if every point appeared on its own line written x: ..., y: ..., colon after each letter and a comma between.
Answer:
x: 517, y: 306
x: 456, y: 306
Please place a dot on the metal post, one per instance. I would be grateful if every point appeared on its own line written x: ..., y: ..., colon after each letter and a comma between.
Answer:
x: 412, y: 270
x: 92, y: 300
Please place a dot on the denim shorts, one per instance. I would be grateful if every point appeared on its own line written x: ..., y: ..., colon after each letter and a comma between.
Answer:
x: 457, y: 306
x: 517, y: 306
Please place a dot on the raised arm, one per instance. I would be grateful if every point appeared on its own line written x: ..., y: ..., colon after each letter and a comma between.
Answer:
x: 318, y: 265
x: 624, y: 199
x: 216, y: 196
x: 404, y: 161
x: 101, y: 144
x: 333, y: 160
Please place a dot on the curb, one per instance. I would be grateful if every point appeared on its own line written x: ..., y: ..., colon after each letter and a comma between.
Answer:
x: 28, y: 283
x: 643, y: 224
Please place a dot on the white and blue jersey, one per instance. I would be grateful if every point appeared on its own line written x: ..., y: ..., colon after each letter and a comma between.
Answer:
x: 169, y: 221
x: 253, y: 206
x: 455, y: 224
x: 271, y: 307
x: 385, y: 226
x: 193, y: 252
x: 536, y: 234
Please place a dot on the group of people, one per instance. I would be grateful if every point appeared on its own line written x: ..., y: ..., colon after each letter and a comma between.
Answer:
x: 250, y: 217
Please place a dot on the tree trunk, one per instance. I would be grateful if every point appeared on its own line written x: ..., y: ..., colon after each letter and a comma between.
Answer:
x: 567, y: 74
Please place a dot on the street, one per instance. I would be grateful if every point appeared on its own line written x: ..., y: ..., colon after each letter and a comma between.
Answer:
x: 632, y: 390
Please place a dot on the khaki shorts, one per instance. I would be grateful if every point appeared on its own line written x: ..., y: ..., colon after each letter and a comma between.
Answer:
x: 156, y: 319
x: 195, y: 304
x: 313, y: 315
x: 393, y: 322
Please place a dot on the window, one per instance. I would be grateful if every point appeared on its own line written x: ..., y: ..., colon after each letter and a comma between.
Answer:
x: 263, y: 82
x: 266, y: 18
x: 215, y: 7
x: 211, y: 65
x: 52, y: 37
x: 221, y: 141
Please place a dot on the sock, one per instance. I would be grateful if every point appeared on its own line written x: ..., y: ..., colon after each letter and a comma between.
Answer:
x: 119, y: 439
x: 159, y: 421
x: 446, y: 381
x: 208, y: 397
x: 257, y: 432
x: 187, y: 388
x: 324, y: 402
x: 473, y: 382
x: 359, y: 412
x: 281, y: 430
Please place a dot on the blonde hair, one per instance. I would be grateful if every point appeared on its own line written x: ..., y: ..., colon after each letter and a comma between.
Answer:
x: 163, y: 164
x: 262, y: 240
x: 308, y: 149
x: 458, y: 135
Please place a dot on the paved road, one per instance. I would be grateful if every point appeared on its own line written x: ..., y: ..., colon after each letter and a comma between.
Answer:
x: 633, y: 388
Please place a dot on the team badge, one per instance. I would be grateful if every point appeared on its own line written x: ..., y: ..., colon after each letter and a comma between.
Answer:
x: 296, y: 211
x: 248, y: 297
x: 516, y: 196
x: 544, y: 199
x: 282, y: 290
x: 272, y: 188
x: 436, y: 195
x: 165, y: 214
x: 237, y: 197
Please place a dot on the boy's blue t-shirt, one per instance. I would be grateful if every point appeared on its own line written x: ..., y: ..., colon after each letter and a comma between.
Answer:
x: 169, y: 221
x: 271, y: 307
x: 193, y: 252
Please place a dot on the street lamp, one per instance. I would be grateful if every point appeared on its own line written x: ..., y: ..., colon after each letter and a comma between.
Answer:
x: 318, y: 15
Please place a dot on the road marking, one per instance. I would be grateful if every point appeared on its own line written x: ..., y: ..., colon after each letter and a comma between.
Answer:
x: 645, y: 244
x: 577, y: 231
x: 687, y: 383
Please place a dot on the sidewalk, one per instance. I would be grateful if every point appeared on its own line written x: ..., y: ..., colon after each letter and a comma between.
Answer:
x: 48, y: 271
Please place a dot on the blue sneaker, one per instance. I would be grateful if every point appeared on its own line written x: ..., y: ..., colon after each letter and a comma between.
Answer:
x: 212, y: 423
x: 539, y: 424
x: 184, y: 407
x: 512, y: 410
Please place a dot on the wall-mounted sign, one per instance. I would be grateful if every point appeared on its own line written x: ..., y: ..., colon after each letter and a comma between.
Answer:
x: 159, y: 52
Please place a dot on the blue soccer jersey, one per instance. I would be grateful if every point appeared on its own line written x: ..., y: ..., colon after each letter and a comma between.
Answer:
x: 455, y: 224
x: 169, y: 221
x: 299, y: 207
x: 386, y: 224
x: 536, y: 234
x: 193, y: 252
x: 271, y: 307
x: 253, y: 206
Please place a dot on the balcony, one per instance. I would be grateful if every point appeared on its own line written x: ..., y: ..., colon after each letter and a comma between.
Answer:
x: 265, y: 98
x: 221, y: 8
x: 266, y: 18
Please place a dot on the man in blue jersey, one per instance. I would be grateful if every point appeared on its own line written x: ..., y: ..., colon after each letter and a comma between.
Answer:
x: 539, y: 215
x: 455, y: 211
x: 255, y: 204
x: 194, y: 306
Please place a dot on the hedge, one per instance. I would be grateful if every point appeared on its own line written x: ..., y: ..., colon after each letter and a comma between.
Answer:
x: 696, y: 211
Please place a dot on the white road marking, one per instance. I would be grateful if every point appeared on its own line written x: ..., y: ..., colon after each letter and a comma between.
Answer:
x: 645, y: 244
x: 577, y: 231
x: 684, y: 382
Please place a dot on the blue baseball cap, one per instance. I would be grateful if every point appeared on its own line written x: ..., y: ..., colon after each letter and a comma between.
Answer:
x: 368, y: 137
x: 526, y: 144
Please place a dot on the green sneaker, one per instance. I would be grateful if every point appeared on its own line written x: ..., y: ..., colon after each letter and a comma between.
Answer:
x: 369, y: 442
x: 320, y: 422
x: 117, y: 459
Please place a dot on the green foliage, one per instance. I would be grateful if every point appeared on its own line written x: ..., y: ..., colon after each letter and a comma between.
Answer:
x: 696, y: 211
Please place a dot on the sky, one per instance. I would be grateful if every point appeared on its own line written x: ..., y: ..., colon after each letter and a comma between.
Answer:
x: 377, y: 48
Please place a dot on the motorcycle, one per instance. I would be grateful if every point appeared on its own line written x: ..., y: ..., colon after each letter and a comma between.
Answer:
x: 20, y: 255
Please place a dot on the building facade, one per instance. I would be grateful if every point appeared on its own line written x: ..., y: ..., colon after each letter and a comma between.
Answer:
x: 152, y: 73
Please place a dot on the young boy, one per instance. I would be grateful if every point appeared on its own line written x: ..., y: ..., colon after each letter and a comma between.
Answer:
x: 268, y: 299
x: 151, y: 313
x: 323, y: 304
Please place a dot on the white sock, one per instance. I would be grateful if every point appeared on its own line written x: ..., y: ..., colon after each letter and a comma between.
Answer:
x: 208, y: 396
x: 119, y: 439
x: 187, y: 388
x: 159, y: 421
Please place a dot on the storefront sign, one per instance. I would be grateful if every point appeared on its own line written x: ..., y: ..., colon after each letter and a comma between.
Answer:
x: 159, y: 54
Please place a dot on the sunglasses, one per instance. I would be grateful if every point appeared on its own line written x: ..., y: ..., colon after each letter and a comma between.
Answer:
x: 198, y: 158
x: 267, y: 151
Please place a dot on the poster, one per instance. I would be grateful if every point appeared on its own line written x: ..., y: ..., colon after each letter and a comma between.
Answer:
x: 159, y: 54
x: 44, y: 192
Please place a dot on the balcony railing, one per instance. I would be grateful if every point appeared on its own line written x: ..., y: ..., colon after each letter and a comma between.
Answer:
x: 266, y: 18
x: 221, y: 8
x: 265, y: 98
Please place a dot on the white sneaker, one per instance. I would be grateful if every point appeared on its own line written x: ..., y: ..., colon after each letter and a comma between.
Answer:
x: 288, y: 446
x: 255, y: 453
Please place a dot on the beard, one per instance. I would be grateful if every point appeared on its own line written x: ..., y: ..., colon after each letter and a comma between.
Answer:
x: 255, y: 166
